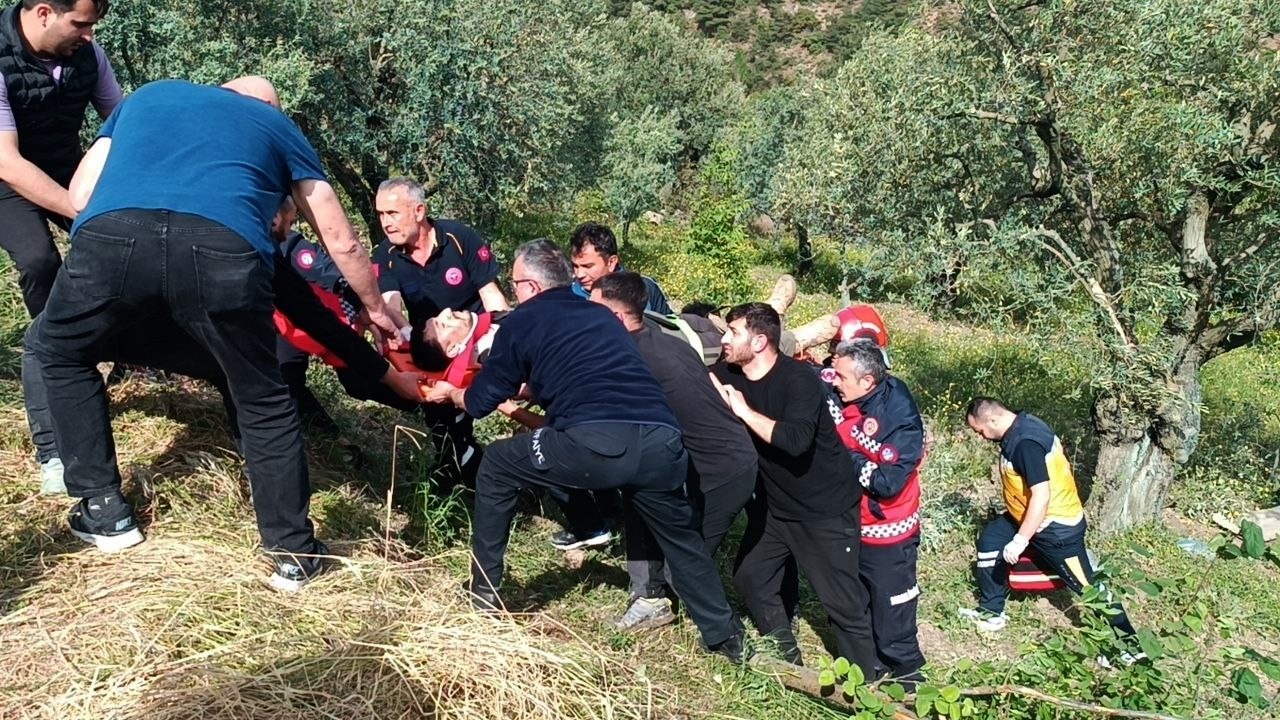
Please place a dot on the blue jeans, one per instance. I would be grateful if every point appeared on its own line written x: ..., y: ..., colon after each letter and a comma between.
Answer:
x: 172, y: 279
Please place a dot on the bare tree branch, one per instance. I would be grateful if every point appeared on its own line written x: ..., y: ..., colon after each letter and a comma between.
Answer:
x: 1061, y: 702
x: 1261, y: 242
x: 1054, y: 243
x: 1239, y: 331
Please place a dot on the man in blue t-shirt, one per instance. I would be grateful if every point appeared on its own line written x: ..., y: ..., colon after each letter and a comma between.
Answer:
x: 175, y: 200
x: 603, y: 430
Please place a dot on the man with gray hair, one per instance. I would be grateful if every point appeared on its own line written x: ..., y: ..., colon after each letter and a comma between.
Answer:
x: 602, y: 431
x: 428, y: 265
x: 881, y: 428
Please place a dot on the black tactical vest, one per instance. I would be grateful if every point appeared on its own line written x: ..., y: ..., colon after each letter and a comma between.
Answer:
x: 48, y: 114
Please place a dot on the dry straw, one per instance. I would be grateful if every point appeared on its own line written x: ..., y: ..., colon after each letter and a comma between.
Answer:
x: 184, y: 627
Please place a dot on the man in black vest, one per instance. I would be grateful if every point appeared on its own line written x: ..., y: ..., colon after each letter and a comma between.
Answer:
x: 52, y: 71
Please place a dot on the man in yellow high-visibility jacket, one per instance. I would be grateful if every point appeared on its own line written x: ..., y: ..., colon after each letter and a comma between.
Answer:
x: 1042, y: 512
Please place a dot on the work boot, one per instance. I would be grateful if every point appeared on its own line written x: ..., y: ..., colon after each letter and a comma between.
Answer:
x: 784, y: 293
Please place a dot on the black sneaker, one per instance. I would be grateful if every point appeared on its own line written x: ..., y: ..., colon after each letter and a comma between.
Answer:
x: 106, y: 522
x: 569, y: 540
x: 484, y: 599
x: 295, y: 570
x: 733, y: 648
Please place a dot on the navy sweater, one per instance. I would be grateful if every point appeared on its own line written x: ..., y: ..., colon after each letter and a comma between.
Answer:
x: 578, y: 360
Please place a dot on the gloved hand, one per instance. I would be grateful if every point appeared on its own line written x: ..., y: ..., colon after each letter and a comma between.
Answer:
x: 1014, y: 549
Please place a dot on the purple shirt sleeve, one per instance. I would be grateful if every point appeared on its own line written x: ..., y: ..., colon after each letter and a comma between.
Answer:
x: 107, y: 94
x: 7, y: 123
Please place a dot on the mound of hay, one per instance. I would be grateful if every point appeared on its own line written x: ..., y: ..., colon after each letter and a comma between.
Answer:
x: 185, y: 627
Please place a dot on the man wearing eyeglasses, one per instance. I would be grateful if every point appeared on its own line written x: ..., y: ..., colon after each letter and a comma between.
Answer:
x: 603, y: 431
x: 428, y: 265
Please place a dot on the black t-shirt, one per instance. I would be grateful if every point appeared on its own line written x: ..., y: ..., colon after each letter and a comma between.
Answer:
x: 719, y: 444
x: 806, y: 472
x: 1028, y: 461
x: 460, y: 265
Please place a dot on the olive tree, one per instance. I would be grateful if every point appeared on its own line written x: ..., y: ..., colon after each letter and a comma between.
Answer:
x: 1119, y: 153
x: 490, y: 104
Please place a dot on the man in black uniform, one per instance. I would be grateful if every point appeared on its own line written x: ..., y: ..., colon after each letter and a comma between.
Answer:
x: 810, y: 503
x: 431, y: 264
x: 604, y: 430
x: 722, y: 459
x: 881, y: 427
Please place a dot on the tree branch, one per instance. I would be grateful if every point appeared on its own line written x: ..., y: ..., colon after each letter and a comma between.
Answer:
x: 1239, y: 331
x: 1060, y: 702
x: 1054, y: 243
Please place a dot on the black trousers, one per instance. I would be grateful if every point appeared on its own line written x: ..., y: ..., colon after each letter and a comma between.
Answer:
x: 716, y: 510
x: 132, y: 270
x: 25, y: 235
x: 1060, y: 546
x: 826, y: 551
x: 646, y: 461
x: 888, y: 574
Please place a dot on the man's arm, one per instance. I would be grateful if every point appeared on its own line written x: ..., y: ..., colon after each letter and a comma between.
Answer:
x: 319, y: 204
x: 793, y: 433
x: 891, y: 458
x: 30, y: 181
x: 87, y: 174
x: 492, y: 298
x: 1028, y: 461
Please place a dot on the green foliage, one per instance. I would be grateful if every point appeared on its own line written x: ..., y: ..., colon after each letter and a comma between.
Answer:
x: 717, y: 241
x: 489, y: 103
x: 1052, y: 166
x: 660, y: 69
x: 639, y: 164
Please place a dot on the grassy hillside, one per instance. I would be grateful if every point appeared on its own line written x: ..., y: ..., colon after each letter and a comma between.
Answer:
x: 184, y: 626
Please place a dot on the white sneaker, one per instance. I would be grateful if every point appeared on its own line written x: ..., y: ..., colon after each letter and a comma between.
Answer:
x: 1126, y: 659
x: 646, y: 613
x: 51, y: 482
x: 985, y: 620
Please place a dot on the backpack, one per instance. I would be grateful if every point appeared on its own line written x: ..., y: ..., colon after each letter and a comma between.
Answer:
x: 705, y: 341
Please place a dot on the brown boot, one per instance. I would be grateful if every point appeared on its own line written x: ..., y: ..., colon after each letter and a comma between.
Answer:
x: 784, y: 293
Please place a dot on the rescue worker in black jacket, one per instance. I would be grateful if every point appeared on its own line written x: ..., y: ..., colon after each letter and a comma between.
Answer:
x: 881, y: 427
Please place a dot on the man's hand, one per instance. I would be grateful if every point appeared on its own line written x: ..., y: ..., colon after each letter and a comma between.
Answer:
x: 404, y: 384
x: 442, y: 392
x: 385, y: 323
x: 737, y: 402
x: 1014, y: 549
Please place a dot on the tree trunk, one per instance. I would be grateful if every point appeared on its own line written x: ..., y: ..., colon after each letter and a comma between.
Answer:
x: 1140, y: 453
x: 804, y: 248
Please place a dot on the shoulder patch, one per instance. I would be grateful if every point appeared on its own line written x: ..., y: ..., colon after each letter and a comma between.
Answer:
x: 870, y: 426
x: 828, y: 375
x: 484, y: 254
x: 307, y: 258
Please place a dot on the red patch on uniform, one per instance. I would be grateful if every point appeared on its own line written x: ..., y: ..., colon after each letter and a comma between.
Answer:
x: 306, y: 258
x: 888, y: 454
x: 870, y: 427
x: 483, y: 253
x: 828, y: 376
x: 453, y: 276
